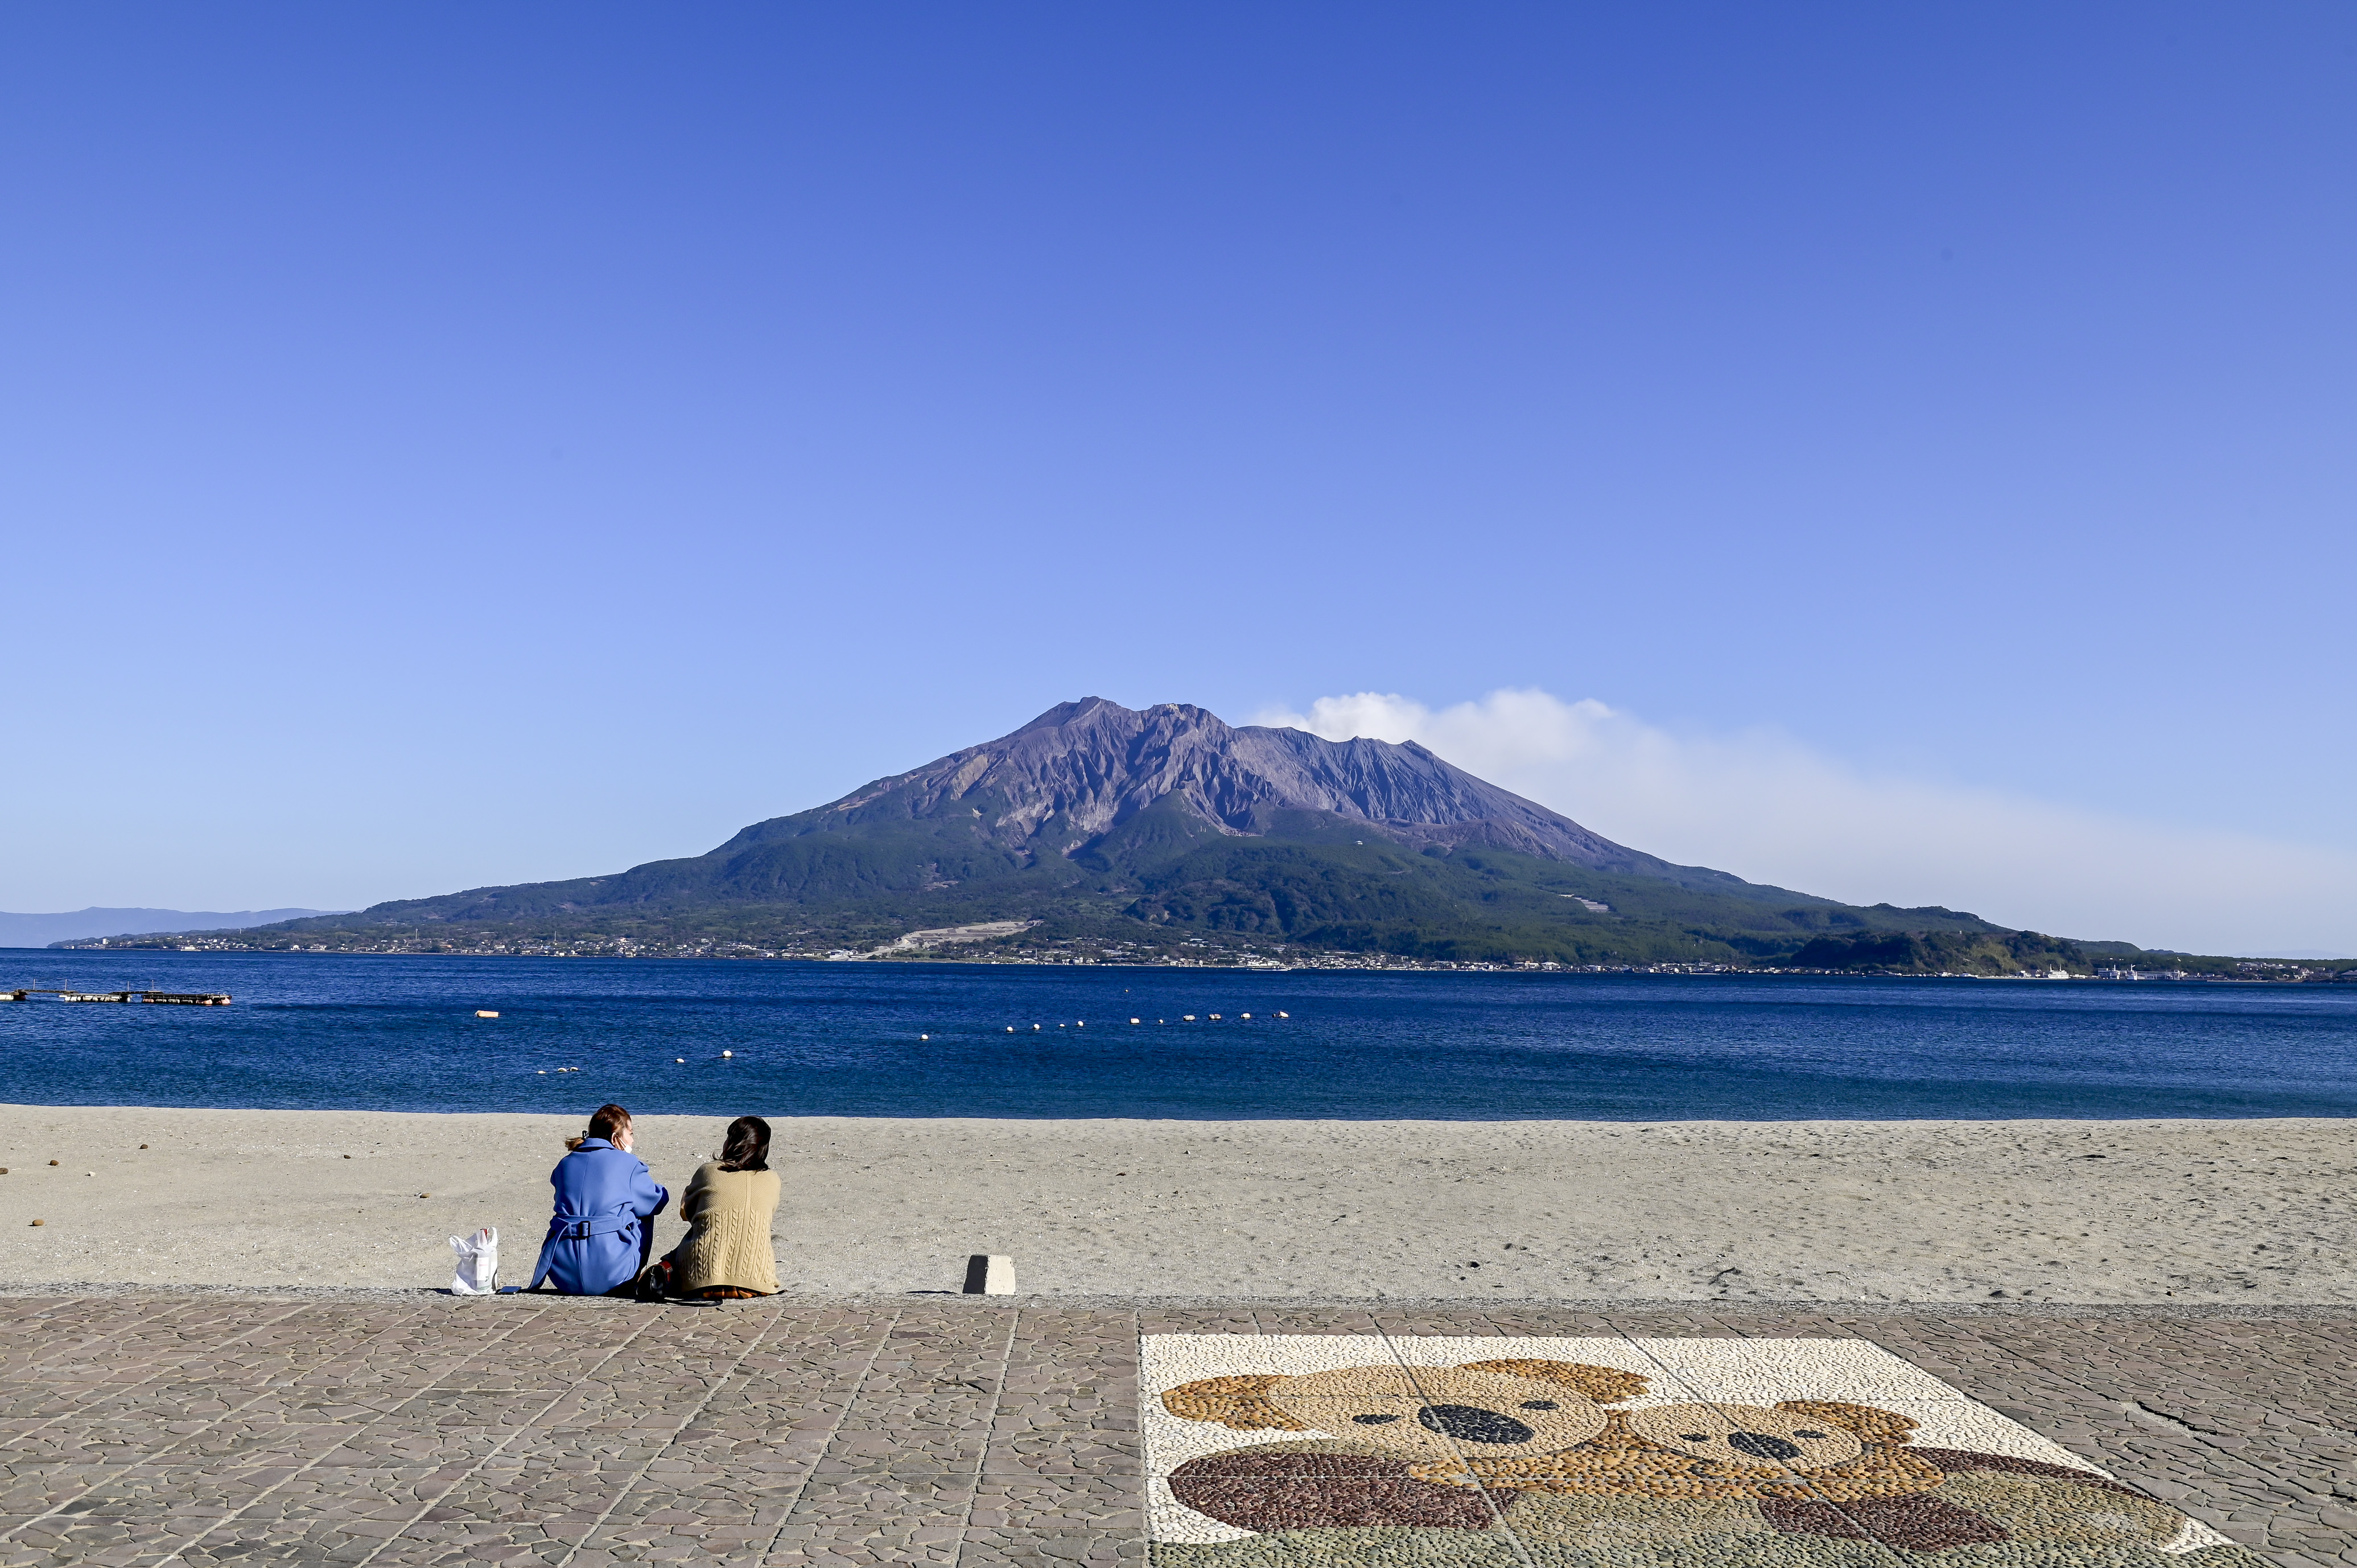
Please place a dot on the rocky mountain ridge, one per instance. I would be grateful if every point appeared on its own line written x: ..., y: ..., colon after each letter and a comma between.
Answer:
x: 1088, y: 767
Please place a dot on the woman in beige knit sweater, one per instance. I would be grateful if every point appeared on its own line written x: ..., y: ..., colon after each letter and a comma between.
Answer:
x: 729, y: 1206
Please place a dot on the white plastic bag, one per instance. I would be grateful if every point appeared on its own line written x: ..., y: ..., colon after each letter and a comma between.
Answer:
x: 478, y: 1263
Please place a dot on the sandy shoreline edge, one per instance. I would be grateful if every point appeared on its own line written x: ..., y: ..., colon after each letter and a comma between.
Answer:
x: 2249, y: 1214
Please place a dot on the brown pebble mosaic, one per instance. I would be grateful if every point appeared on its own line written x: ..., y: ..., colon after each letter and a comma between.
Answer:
x: 1328, y: 1449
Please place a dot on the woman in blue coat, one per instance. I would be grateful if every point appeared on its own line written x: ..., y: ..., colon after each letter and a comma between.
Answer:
x: 600, y: 1238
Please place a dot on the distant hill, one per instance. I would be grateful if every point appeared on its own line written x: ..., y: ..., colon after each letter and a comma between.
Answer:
x: 1099, y: 830
x: 40, y: 930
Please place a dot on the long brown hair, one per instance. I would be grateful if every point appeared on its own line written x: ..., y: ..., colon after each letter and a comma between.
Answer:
x: 604, y: 1122
x: 746, y: 1147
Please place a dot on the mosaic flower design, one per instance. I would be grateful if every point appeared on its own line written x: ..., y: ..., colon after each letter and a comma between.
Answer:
x: 1288, y: 1451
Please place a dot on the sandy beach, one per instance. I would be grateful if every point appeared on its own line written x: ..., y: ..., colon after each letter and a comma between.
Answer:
x: 2243, y: 1211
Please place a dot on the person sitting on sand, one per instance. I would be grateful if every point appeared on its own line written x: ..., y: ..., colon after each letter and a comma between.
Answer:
x: 729, y: 1204
x: 600, y: 1237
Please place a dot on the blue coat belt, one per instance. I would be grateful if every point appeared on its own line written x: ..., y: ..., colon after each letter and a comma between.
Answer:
x: 599, y: 1238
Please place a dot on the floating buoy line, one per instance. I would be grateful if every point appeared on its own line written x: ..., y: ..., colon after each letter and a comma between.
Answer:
x: 1184, y: 1018
x: 1011, y: 1028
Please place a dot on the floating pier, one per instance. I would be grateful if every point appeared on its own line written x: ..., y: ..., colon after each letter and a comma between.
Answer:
x: 170, y: 998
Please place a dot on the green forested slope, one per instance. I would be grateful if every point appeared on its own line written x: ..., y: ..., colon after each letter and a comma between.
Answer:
x: 1316, y: 883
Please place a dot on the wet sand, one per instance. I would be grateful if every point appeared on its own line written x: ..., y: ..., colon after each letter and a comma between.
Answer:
x: 2252, y: 1212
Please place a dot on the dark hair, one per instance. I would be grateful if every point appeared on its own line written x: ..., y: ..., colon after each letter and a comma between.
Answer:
x: 748, y: 1145
x: 604, y: 1122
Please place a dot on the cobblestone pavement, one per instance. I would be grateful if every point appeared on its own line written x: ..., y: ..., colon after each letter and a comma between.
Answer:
x: 144, y: 1429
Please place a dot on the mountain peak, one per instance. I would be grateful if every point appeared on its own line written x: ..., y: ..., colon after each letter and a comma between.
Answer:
x: 1084, y: 770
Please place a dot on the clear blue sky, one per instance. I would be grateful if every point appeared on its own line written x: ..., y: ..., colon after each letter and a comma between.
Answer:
x: 444, y: 445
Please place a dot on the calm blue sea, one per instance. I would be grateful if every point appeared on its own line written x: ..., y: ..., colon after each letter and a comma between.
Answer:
x: 316, y: 1030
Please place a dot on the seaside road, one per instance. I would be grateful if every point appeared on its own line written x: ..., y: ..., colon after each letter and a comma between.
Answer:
x: 370, y: 1430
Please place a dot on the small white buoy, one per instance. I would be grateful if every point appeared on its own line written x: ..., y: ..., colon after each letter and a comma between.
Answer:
x: 544, y: 1072
x: 682, y: 1060
x: 485, y: 1013
x: 1034, y: 1025
x: 1080, y: 1024
x: 924, y: 1036
x: 1010, y: 1028
x: 728, y: 1053
x: 1284, y: 1014
x: 1188, y: 1017
x: 1244, y: 1015
x: 1133, y: 1020
x: 1215, y: 1017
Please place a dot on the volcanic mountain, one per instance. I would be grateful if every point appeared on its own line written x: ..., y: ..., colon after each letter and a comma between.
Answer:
x: 1131, y: 830
x: 1071, y: 781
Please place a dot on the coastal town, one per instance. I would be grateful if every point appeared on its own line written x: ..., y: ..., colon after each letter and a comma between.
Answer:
x: 1003, y: 942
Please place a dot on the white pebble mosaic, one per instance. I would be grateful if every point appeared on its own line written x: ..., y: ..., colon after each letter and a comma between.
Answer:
x: 1750, y: 1373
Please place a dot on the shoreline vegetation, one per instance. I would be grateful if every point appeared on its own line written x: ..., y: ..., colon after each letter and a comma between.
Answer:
x: 2025, y: 955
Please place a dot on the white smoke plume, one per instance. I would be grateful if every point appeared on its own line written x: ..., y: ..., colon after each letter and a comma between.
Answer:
x: 1771, y: 810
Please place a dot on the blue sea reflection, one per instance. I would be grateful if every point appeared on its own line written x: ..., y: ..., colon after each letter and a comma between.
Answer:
x: 399, y: 1034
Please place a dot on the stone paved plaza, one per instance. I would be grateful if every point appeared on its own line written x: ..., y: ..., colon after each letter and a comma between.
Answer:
x: 154, y: 1427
